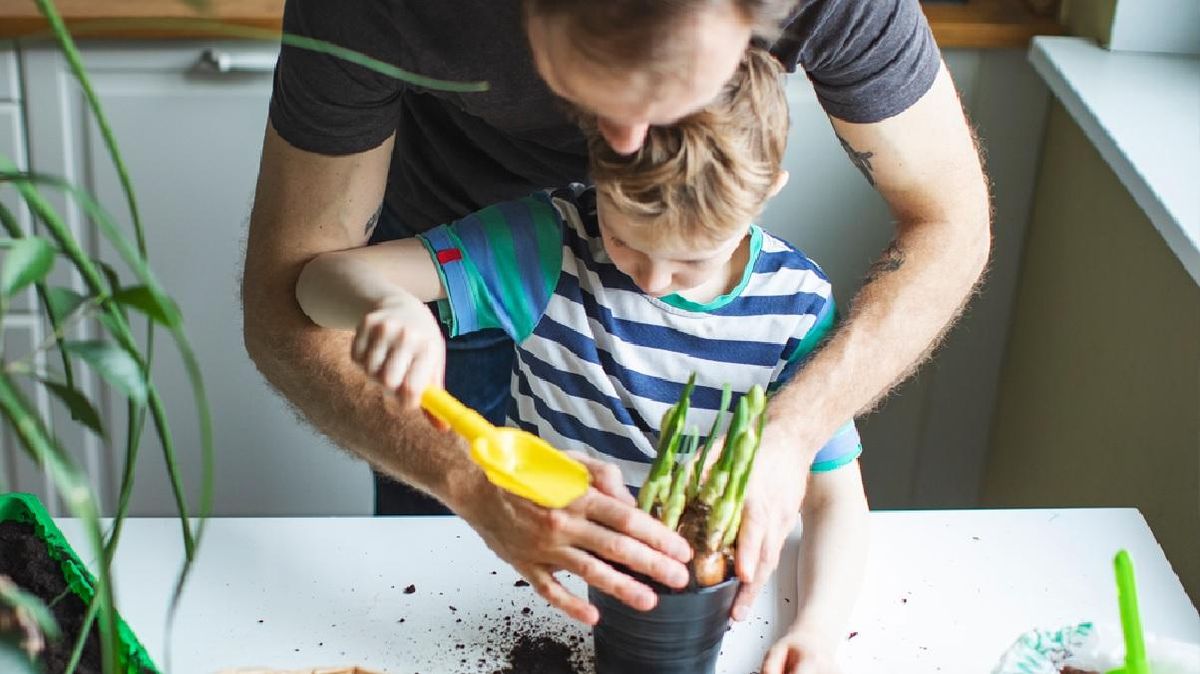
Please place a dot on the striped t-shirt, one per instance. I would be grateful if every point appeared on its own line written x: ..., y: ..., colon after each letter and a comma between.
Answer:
x: 598, y: 361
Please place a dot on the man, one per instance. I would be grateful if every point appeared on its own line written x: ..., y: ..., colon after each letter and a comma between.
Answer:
x: 351, y: 156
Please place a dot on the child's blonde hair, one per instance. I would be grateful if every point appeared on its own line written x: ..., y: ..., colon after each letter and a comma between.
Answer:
x: 710, y: 173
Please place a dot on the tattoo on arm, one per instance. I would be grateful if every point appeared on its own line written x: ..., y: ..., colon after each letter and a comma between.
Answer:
x: 861, y: 160
x: 374, y: 220
x: 891, y: 260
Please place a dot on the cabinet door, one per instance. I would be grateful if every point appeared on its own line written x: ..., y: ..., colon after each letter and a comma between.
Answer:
x: 191, y: 137
x: 22, y: 331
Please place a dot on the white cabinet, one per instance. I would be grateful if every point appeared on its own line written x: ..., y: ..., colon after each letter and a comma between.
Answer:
x: 190, y: 137
x: 22, y: 328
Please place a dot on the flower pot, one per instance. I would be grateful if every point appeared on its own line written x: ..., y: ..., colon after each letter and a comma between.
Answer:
x: 681, y: 635
x: 25, y: 510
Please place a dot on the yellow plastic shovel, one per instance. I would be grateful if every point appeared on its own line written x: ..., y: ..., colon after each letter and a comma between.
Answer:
x: 512, y: 459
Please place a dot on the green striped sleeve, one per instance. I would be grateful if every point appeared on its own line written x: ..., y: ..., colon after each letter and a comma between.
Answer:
x: 499, y: 265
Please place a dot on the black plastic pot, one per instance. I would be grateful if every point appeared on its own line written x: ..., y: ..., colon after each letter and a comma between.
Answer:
x: 681, y: 635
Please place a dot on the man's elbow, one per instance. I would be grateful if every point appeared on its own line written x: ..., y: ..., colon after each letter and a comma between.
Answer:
x: 257, y: 335
x: 979, y: 248
x: 974, y: 225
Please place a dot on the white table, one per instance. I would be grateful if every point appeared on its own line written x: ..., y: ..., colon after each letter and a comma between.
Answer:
x: 946, y: 591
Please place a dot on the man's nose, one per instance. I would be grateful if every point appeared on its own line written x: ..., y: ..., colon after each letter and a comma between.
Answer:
x: 623, y: 138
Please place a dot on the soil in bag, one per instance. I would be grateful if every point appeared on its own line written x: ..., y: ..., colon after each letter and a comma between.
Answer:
x: 26, y: 561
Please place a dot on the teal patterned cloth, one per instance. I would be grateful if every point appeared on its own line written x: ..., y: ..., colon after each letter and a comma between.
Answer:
x: 1046, y: 651
x: 1093, y: 648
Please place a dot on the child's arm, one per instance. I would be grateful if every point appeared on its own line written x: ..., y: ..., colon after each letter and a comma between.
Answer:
x: 380, y: 292
x: 833, y: 553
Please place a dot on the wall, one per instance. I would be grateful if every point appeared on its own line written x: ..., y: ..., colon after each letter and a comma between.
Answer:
x: 1089, y: 18
x: 1099, y: 399
x: 926, y: 445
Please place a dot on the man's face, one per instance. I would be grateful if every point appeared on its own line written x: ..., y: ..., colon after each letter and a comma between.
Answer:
x: 626, y: 102
x: 663, y: 267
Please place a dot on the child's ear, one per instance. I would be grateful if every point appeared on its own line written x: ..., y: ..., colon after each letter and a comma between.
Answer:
x: 780, y: 181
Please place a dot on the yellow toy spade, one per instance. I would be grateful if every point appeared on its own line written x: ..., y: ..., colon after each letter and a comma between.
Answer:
x: 512, y: 459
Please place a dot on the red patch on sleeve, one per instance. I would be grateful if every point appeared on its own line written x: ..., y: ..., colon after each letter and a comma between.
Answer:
x: 449, y: 255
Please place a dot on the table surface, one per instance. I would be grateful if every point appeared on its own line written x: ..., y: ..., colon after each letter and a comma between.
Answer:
x: 945, y: 591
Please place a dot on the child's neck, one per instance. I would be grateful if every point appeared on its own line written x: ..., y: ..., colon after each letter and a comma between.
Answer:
x: 723, y: 282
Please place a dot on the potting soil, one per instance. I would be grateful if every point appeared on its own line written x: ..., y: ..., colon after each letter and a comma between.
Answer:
x: 517, y: 639
x: 540, y: 655
x: 25, y: 559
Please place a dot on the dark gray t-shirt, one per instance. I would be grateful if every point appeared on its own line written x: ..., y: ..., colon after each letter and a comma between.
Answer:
x: 456, y: 153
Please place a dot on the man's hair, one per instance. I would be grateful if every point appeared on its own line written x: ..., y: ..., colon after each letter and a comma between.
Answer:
x: 710, y: 173
x: 637, y: 34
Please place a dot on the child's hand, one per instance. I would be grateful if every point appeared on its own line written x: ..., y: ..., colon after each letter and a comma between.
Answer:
x: 801, y: 652
x: 400, y: 344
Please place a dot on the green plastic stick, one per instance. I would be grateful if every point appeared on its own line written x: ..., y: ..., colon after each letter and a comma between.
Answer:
x: 1131, y: 622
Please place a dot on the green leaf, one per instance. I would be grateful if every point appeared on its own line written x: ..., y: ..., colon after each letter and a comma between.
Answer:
x: 81, y: 409
x: 28, y: 261
x: 119, y: 367
x: 14, y: 596
x: 114, y: 279
x: 63, y: 302
x: 160, y: 309
x: 14, y: 660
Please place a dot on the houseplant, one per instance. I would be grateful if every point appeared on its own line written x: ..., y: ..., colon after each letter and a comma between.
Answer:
x: 683, y: 632
x: 113, y: 286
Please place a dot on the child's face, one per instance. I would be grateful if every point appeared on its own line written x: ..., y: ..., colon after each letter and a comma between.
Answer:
x: 663, y: 267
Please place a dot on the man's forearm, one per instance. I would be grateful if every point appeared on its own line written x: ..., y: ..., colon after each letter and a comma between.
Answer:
x: 910, y: 298
x: 311, y: 367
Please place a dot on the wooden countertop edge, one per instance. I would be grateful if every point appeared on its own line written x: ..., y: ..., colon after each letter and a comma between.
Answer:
x: 953, y: 26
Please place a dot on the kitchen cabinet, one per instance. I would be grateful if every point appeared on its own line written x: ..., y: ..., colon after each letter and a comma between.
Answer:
x: 191, y: 135
x: 22, y: 328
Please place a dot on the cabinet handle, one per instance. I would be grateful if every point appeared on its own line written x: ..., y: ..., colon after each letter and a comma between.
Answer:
x: 220, y: 61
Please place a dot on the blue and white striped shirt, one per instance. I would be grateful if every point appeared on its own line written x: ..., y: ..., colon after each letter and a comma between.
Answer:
x: 598, y: 361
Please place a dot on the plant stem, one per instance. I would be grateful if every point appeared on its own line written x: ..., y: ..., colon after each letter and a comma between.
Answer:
x: 677, y: 499
x: 726, y: 396
x: 78, y: 496
x: 658, y: 483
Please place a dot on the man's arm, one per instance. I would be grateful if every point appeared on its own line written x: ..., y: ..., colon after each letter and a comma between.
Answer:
x: 307, y: 204
x: 925, y: 164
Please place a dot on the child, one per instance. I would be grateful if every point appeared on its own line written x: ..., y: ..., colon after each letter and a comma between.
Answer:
x: 614, y: 295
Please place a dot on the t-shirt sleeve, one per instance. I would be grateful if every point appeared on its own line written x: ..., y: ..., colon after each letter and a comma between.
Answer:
x: 844, y: 447
x: 867, y: 59
x: 324, y: 104
x: 499, y: 266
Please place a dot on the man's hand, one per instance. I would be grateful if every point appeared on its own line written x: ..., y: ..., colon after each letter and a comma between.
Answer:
x: 773, y: 498
x: 400, y: 345
x: 801, y: 651
x: 603, y: 524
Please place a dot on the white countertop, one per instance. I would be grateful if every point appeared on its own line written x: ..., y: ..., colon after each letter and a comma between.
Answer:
x: 1142, y: 112
x: 946, y: 591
